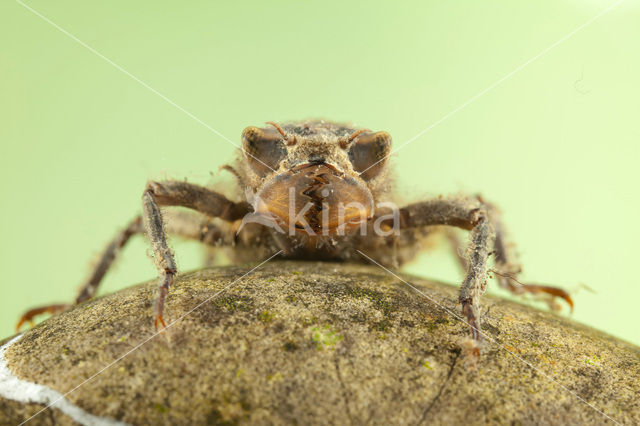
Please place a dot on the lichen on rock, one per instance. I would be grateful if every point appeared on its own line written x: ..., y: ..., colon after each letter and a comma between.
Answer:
x: 320, y: 343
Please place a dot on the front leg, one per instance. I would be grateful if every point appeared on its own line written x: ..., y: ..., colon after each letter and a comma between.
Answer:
x: 194, y: 227
x: 174, y: 193
x: 164, y: 258
x: 470, y: 215
x: 506, y: 266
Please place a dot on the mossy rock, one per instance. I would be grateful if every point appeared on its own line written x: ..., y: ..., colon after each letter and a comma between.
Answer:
x: 318, y: 343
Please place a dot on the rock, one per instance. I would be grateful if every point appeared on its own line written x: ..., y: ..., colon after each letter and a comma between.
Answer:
x: 315, y: 343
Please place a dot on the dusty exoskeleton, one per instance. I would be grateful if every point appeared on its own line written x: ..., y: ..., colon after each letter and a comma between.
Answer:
x: 315, y: 190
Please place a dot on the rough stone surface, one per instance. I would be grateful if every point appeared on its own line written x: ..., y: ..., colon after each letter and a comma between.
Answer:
x: 321, y: 343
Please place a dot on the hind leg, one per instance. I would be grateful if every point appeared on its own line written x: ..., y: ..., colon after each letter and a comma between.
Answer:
x: 91, y: 285
x: 486, y: 237
x: 179, y: 224
x: 506, y: 268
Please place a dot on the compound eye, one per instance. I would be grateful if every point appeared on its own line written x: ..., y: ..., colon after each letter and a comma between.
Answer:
x: 263, y: 149
x: 369, y: 153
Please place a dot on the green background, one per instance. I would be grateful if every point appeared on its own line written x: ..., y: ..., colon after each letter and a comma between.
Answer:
x: 555, y: 144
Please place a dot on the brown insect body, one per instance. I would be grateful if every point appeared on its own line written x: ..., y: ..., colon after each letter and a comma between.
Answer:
x: 316, y: 190
x: 311, y: 177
